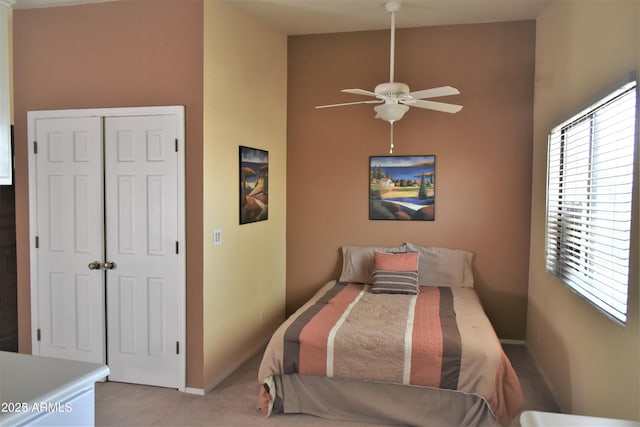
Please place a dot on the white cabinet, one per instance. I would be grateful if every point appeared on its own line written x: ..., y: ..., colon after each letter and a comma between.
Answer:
x: 551, y: 419
x: 42, y: 391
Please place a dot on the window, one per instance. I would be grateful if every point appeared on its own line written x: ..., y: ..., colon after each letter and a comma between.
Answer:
x: 6, y: 166
x: 589, y: 199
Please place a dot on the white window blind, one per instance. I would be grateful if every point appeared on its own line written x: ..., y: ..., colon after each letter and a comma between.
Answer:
x: 589, y: 200
x: 6, y: 160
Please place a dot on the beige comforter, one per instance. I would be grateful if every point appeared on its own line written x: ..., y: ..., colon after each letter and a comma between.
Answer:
x: 440, y: 338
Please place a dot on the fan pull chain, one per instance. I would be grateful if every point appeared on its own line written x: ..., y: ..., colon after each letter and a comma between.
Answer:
x: 391, y: 140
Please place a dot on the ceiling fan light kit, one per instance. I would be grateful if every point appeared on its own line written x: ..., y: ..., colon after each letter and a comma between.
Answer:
x: 390, y: 112
x: 396, y: 98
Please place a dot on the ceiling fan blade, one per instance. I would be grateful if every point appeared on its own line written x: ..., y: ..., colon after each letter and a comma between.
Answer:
x: 377, y: 101
x: 433, y: 93
x: 433, y: 105
x: 359, y: 92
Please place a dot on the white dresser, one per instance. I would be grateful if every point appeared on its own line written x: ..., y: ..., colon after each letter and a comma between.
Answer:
x: 550, y: 419
x: 39, y: 391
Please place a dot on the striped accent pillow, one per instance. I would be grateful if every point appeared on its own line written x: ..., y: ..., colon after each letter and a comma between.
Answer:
x: 395, y: 282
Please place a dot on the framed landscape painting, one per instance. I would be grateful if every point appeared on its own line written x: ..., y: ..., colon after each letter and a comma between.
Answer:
x: 402, y: 188
x: 254, y: 185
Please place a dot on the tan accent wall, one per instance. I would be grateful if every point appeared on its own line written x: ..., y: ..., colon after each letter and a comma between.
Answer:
x: 245, y: 85
x: 582, y: 48
x: 115, y: 54
x: 483, y: 153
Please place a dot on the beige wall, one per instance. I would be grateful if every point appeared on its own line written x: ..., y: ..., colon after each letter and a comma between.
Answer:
x: 483, y: 153
x: 115, y: 54
x: 592, y: 364
x: 245, y: 84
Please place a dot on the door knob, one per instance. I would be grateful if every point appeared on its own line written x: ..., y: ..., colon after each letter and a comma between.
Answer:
x: 109, y: 265
x: 95, y: 265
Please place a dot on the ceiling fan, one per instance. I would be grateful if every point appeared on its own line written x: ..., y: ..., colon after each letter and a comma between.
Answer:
x: 395, y: 98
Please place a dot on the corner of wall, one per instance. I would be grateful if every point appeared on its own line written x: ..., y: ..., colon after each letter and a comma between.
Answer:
x: 245, y: 86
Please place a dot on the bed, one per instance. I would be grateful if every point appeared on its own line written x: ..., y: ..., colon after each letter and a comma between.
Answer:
x: 399, y: 338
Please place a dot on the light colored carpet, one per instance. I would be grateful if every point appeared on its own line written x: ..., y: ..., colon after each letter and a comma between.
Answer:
x: 233, y: 402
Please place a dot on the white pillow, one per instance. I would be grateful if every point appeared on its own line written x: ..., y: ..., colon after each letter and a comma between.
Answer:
x: 443, y: 266
x: 358, y: 262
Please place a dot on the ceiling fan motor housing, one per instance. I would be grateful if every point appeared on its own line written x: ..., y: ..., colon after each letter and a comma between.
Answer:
x: 391, y: 90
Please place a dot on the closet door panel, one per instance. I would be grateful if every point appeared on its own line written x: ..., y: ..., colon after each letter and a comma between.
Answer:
x: 69, y: 222
x: 142, y: 231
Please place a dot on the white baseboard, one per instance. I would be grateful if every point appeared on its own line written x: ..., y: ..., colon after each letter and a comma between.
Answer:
x: 198, y: 391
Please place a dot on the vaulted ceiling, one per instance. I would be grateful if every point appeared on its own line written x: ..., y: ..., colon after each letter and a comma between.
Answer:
x: 329, y: 16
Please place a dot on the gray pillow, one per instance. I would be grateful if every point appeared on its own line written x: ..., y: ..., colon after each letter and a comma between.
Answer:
x: 443, y: 266
x: 358, y: 262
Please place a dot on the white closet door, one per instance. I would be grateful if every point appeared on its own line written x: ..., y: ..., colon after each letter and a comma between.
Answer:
x: 142, y: 234
x: 69, y: 218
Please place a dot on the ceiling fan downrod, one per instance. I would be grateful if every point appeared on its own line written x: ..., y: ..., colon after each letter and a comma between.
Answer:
x: 392, y: 7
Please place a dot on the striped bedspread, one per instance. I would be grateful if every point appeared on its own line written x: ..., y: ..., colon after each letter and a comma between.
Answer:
x: 439, y: 338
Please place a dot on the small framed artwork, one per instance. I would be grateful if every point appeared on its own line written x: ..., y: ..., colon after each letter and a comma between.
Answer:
x: 254, y: 185
x: 402, y: 188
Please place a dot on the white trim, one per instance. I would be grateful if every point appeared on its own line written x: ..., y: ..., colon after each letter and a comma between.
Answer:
x: 179, y: 112
x: 198, y: 391
x: 182, y: 238
x: 33, y: 231
x: 109, y: 112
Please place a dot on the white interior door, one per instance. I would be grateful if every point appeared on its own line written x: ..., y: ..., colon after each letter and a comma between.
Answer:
x: 143, y: 327
x: 68, y: 237
x: 106, y: 207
